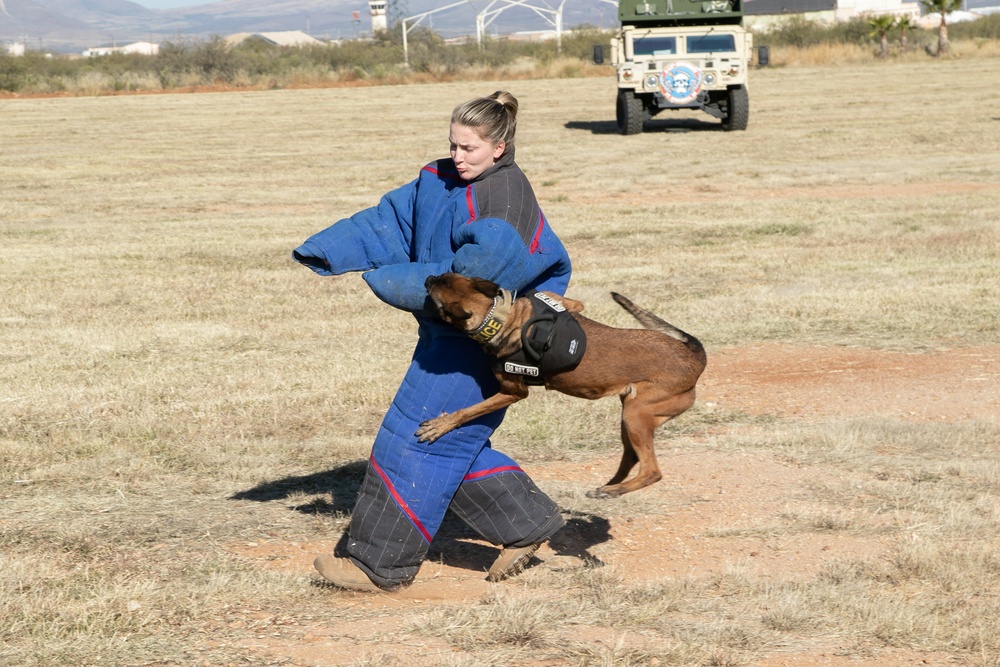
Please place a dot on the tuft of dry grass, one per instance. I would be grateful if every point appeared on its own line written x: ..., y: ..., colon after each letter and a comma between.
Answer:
x: 172, y: 384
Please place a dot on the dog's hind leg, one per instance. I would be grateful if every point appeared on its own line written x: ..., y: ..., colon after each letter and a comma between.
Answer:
x: 629, y: 458
x: 642, y: 412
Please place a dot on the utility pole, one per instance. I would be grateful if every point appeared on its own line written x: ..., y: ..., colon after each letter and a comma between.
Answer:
x: 397, y: 10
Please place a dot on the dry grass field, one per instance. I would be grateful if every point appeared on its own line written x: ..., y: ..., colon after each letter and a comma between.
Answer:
x: 184, y: 412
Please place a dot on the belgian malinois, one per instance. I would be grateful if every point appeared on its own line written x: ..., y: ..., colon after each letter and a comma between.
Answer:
x: 652, y: 370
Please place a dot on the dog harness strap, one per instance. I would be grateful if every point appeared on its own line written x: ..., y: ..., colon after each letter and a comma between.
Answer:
x: 552, y: 341
x: 536, y: 336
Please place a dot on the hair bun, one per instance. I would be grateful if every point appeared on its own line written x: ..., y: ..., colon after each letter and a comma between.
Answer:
x: 508, y: 101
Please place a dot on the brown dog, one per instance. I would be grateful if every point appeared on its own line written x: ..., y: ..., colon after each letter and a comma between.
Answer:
x: 653, y: 370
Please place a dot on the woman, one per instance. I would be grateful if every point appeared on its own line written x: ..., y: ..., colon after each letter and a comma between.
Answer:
x: 474, y: 214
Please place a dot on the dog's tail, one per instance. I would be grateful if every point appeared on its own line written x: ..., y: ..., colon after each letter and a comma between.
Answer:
x: 651, y: 321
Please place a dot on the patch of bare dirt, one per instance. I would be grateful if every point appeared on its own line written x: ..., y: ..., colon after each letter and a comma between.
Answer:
x: 821, y: 382
x: 713, y: 504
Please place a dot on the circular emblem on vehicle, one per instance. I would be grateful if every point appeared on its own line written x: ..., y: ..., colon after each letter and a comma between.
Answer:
x: 681, y: 82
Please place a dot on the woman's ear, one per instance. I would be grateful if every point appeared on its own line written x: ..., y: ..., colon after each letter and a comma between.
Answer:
x: 499, y: 149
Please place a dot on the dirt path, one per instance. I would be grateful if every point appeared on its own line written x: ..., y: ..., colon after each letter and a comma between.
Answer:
x: 820, y: 382
x: 707, y: 490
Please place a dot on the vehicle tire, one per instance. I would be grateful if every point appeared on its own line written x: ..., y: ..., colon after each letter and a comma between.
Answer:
x: 629, y: 112
x: 737, y: 109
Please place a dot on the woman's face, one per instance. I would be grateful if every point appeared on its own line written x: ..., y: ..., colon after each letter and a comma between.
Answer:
x: 472, y: 154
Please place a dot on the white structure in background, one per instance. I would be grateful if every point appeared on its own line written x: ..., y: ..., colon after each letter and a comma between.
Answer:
x: 377, y: 8
x: 415, y: 20
x: 552, y: 15
x: 848, y: 9
x: 144, y: 48
x: 932, y: 21
x: 762, y: 14
x: 15, y: 49
x: 281, y: 38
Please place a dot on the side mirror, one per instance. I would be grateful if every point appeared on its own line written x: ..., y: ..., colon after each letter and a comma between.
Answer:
x: 598, y: 55
x: 763, y: 56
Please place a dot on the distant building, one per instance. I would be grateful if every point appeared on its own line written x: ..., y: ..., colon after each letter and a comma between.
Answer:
x: 15, y: 49
x: 144, y: 48
x: 932, y: 21
x: 377, y: 9
x: 285, y: 38
x: 533, y: 36
x: 763, y: 13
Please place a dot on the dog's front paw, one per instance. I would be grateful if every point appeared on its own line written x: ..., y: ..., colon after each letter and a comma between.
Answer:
x: 432, y: 429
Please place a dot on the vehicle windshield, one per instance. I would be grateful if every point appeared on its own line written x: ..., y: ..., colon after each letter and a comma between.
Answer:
x: 654, y: 46
x: 710, y: 43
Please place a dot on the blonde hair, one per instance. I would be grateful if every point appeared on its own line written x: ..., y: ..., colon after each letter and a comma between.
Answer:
x: 494, y: 118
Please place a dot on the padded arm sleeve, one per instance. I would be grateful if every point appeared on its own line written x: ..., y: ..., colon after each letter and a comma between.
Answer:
x: 493, y: 249
x: 488, y: 248
x: 371, y: 238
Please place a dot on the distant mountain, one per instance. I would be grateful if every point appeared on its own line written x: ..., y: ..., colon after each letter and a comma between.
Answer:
x: 333, y: 19
x: 24, y: 19
x: 95, y: 10
x: 324, y: 19
x: 74, y: 25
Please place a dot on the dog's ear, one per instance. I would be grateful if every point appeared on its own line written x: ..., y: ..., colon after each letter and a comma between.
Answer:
x: 486, y: 287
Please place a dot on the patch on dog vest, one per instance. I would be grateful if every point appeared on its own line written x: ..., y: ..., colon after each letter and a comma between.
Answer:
x: 520, y: 369
x: 552, y: 341
x: 487, y: 330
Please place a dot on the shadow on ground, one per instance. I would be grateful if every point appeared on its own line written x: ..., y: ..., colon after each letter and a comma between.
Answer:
x: 455, y: 544
x: 341, y: 484
x: 652, y: 126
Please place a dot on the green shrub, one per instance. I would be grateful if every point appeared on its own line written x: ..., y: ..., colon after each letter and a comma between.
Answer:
x: 12, y: 72
x: 801, y: 32
x: 987, y: 27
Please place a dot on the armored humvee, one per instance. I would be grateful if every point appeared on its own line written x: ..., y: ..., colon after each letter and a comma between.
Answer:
x: 680, y: 54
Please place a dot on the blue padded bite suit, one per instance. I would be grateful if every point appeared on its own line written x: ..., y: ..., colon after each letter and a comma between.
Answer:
x: 492, y: 228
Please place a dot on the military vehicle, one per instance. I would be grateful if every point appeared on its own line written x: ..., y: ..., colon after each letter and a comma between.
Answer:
x: 680, y: 54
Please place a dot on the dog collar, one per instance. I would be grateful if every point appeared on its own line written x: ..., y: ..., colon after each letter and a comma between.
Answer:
x: 494, y: 319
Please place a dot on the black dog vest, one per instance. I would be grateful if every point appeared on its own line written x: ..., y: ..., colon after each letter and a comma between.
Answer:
x: 552, y: 341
